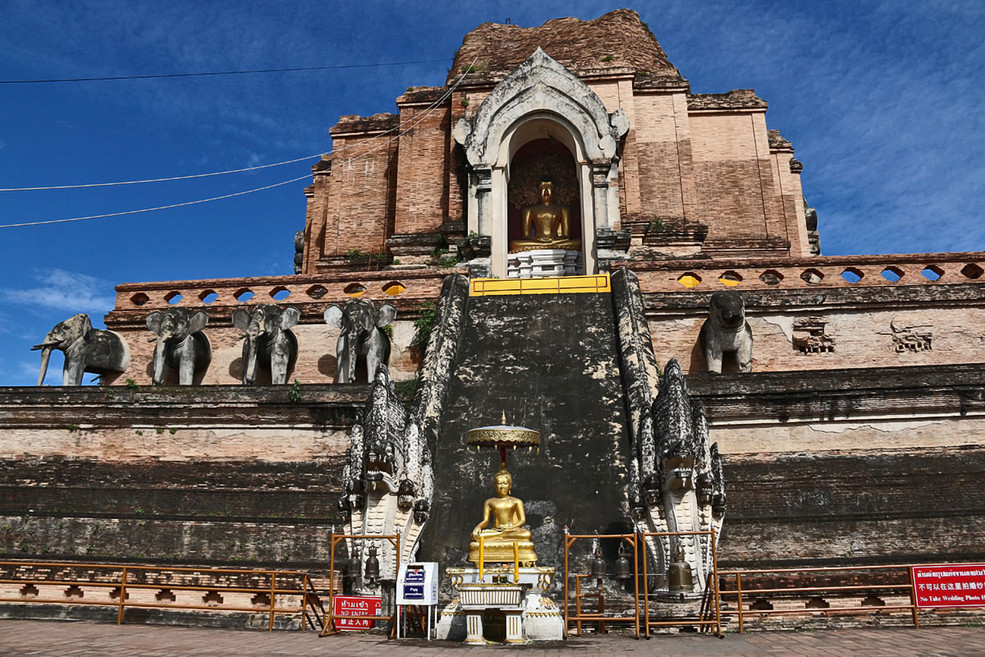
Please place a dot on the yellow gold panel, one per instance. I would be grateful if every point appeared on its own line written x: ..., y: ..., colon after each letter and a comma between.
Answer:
x: 594, y: 284
x: 688, y: 280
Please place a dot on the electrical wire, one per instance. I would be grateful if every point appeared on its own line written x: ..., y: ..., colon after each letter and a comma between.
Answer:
x: 410, y: 126
x: 155, y: 180
x: 424, y: 115
x: 160, y: 207
x: 431, y: 108
x: 214, y: 73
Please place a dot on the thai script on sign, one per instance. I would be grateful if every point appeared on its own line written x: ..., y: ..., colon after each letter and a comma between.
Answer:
x: 345, y: 606
x: 950, y: 585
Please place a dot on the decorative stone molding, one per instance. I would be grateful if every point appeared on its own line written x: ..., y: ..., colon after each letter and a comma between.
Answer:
x: 912, y: 339
x: 541, y: 84
x: 541, y: 89
x: 809, y: 337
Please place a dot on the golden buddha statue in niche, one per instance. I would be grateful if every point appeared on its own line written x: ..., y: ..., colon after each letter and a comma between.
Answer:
x: 506, y: 516
x: 545, y: 225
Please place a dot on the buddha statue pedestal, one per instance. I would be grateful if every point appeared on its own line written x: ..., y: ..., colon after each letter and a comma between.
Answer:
x: 503, y: 595
x: 502, y: 602
x: 542, y: 263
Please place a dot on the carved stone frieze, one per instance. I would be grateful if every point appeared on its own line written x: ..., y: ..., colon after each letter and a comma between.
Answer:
x: 809, y: 336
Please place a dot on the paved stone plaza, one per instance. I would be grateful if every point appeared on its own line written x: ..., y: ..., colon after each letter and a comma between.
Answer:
x: 64, y: 639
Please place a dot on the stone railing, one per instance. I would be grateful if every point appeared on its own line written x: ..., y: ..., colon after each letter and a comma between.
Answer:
x: 309, y: 289
x: 807, y: 273
x: 655, y: 276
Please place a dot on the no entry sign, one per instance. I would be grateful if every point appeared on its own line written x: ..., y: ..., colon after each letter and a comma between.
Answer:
x: 950, y: 585
x: 355, y: 605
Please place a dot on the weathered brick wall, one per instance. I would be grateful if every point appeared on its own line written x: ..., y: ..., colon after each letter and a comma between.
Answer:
x: 422, y: 169
x: 850, y: 466
x: 195, y: 475
x: 866, y: 506
x: 733, y: 176
x: 352, y: 207
x: 664, y: 167
x: 787, y: 181
x: 869, y: 326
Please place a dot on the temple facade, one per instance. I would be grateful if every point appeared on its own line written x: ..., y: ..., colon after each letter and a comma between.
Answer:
x: 563, y: 231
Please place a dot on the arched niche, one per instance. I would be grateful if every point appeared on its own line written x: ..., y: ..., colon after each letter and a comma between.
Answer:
x: 540, y: 100
x: 538, y: 159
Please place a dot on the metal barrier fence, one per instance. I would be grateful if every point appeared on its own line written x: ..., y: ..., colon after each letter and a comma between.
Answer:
x: 710, y: 613
x: 328, y: 620
x: 904, y: 584
x: 579, y: 617
x: 272, y: 592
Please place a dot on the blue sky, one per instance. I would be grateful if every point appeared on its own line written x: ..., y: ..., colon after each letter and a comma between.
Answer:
x: 882, y: 100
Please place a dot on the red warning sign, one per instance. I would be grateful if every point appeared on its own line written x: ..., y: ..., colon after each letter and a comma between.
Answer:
x: 950, y: 585
x: 355, y: 605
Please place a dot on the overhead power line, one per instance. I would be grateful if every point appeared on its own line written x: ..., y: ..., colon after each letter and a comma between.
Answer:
x: 154, y: 180
x: 160, y: 207
x: 399, y: 129
x: 107, y: 78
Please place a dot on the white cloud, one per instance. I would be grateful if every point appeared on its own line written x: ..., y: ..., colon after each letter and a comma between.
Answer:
x: 64, y: 290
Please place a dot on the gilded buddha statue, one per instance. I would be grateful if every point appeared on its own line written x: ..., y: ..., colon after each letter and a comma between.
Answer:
x: 545, y: 225
x: 506, y: 516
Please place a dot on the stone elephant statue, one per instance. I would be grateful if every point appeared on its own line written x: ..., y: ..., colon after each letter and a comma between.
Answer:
x: 361, y: 335
x: 726, y: 331
x: 269, y: 340
x: 181, y: 344
x: 86, y: 350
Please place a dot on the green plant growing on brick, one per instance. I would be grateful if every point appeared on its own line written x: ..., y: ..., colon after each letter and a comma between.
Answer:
x: 131, y: 384
x: 159, y: 431
x: 139, y: 432
x: 608, y: 58
x: 388, y: 330
x: 110, y: 395
x: 423, y: 325
x: 406, y: 389
x: 353, y: 254
x: 294, y: 394
x: 172, y: 431
x: 446, y: 261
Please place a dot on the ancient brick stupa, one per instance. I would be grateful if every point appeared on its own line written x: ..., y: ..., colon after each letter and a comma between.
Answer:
x: 843, y: 392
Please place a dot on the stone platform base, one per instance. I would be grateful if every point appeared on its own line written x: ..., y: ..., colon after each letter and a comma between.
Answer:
x: 543, y: 262
x: 537, y: 618
x: 496, y: 554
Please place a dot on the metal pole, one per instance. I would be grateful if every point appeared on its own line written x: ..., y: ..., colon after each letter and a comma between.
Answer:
x: 273, y: 594
x: 304, y: 602
x: 646, y: 590
x: 123, y: 596
x: 738, y: 604
x: 566, y: 546
x: 715, y: 591
x: 636, y: 581
x: 913, y: 598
